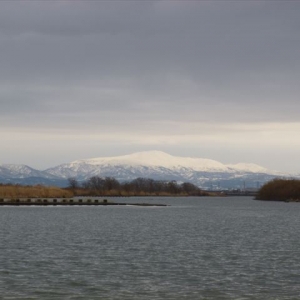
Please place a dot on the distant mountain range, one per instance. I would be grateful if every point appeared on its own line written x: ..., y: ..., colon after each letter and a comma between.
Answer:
x: 205, y: 173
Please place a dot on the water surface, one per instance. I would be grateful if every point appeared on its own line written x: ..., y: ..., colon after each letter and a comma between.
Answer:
x: 198, y: 248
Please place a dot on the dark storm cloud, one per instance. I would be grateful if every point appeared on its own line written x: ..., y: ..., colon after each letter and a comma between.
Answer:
x: 198, y: 61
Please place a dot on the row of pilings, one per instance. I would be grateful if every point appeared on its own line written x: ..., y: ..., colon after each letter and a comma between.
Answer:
x: 66, y: 202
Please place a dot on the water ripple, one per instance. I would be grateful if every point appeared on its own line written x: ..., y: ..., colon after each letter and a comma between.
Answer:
x: 199, y: 248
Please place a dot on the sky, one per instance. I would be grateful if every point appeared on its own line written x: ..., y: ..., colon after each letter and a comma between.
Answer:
x: 209, y: 79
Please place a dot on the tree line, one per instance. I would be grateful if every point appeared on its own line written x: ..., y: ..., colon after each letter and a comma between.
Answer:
x: 110, y: 186
x: 280, y: 190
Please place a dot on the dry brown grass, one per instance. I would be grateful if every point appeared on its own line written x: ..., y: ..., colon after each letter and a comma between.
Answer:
x: 38, y: 191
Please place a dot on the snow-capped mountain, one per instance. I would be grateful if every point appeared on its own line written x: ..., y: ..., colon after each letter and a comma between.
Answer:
x: 158, y: 165
x: 19, y: 171
x: 22, y: 174
x: 152, y: 159
x: 163, y: 166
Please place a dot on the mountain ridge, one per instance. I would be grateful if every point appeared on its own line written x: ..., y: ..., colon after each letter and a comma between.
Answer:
x: 205, y: 173
x: 162, y: 159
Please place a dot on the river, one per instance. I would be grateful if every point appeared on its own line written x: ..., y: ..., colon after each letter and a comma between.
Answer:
x: 197, y: 248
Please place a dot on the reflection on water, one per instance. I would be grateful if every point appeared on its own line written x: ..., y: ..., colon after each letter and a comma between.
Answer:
x: 199, y: 248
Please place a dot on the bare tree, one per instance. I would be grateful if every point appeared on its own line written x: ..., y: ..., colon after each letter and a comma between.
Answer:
x: 73, y: 183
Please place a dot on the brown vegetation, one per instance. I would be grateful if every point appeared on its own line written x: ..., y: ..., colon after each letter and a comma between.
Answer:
x: 109, y: 186
x: 97, y: 186
x: 37, y: 191
x: 280, y: 190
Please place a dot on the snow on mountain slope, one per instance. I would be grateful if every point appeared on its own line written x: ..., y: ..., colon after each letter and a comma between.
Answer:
x: 157, y: 165
x: 21, y: 171
x: 150, y: 164
x: 162, y: 159
x: 248, y: 167
x: 157, y: 159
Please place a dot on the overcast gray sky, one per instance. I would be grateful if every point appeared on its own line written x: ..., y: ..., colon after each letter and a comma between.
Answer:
x: 211, y: 79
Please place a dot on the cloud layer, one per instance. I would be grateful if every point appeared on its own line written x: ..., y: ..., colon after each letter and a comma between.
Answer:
x: 171, y: 75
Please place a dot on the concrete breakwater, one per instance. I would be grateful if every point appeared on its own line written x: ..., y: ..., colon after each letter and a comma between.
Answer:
x: 67, y: 202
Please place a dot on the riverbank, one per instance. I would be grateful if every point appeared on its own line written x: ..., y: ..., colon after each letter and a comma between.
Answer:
x: 108, y: 187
